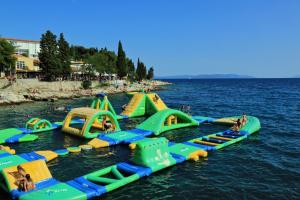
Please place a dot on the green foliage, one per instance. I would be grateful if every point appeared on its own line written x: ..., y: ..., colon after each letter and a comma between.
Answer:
x: 7, y: 59
x: 131, y: 69
x: 82, y: 53
x: 86, y: 84
x: 150, y: 74
x: 103, y: 61
x: 141, y: 71
x: 64, y: 56
x: 48, y: 56
x: 121, y: 61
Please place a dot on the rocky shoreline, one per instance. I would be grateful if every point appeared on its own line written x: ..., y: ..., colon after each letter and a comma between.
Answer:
x: 29, y: 90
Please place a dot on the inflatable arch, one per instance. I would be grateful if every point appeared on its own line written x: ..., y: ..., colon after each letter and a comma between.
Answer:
x: 101, y: 102
x: 93, y: 120
x: 38, y: 124
x: 166, y: 120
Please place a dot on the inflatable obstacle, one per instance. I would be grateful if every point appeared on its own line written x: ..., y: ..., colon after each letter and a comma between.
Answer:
x: 26, y: 134
x: 143, y: 104
x: 167, y: 119
x: 101, y: 102
x: 92, y: 118
x: 164, y: 120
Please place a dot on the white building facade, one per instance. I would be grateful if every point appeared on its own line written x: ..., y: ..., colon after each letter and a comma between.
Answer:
x: 31, y: 48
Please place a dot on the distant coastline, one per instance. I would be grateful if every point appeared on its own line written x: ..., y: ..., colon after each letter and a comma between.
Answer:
x: 216, y: 76
x: 206, y: 76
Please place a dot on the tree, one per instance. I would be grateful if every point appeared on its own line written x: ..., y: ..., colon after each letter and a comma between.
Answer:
x: 121, y: 61
x: 7, y: 58
x: 48, y: 56
x: 150, y: 74
x: 103, y: 61
x: 131, y: 69
x: 140, y: 70
x: 64, y: 56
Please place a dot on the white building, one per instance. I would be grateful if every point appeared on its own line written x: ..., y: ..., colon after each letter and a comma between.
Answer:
x: 25, y: 47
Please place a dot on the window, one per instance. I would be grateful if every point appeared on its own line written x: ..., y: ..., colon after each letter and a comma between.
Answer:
x: 22, y: 51
x: 20, y: 64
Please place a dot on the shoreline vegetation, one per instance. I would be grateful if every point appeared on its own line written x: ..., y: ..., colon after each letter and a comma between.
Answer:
x: 64, y: 71
x: 30, y: 90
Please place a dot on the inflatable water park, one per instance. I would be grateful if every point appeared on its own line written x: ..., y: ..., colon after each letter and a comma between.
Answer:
x: 99, y: 126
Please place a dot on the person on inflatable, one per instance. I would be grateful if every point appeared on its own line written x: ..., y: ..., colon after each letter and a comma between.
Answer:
x: 106, y: 125
x: 244, y: 119
x: 22, y: 179
x: 237, y: 125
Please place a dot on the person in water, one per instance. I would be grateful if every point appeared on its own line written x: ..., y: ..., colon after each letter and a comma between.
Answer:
x: 124, y: 107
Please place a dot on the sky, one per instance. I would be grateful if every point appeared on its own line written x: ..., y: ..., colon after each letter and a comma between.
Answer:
x: 259, y: 38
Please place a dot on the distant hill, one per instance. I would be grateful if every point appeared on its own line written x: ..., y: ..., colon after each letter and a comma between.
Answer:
x: 205, y: 76
x: 298, y: 76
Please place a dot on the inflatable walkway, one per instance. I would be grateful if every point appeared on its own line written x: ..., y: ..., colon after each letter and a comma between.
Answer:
x: 34, y: 125
x: 150, y: 156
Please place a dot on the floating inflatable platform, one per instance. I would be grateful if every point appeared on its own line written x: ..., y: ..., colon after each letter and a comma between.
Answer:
x: 150, y: 156
x: 26, y: 134
x: 161, y: 121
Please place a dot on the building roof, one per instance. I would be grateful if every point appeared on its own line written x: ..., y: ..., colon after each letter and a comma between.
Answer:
x: 20, y: 40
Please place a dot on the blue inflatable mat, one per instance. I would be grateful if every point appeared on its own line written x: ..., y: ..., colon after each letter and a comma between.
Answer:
x: 32, y: 156
x: 14, y: 138
x: 25, y: 130
x: 205, y: 147
x: 134, y: 169
x: 141, y: 132
x: 137, y: 138
x: 214, y: 140
x: 178, y: 158
x: 38, y: 186
x: 2, y: 155
x: 171, y: 144
x: 90, y: 189
x: 61, y: 152
x: 108, y: 139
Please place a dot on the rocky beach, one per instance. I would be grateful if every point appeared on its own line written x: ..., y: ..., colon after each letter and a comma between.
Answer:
x: 29, y: 90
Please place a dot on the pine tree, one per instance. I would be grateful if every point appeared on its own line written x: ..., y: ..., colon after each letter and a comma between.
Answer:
x: 150, y: 74
x: 131, y: 70
x: 139, y: 71
x: 121, y: 61
x: 64, y: 56
x: 48, y: 56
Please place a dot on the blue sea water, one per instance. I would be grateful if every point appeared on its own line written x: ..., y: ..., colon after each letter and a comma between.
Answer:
x: 265, y: 166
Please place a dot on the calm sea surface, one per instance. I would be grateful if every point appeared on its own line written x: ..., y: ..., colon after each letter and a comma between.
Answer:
x: 266, y: 166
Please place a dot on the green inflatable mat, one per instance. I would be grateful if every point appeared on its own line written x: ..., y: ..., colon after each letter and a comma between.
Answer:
x: 59, y: 191
x: 12, y: 160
